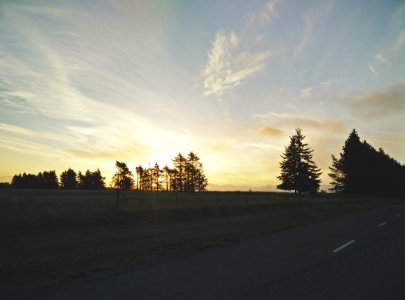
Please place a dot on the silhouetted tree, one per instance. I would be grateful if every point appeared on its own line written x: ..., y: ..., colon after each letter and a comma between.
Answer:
x: 68, y: 179
x: 188, y: 174
x: 83, y: 180
x: 91, y: 180
x: 44, y: 180
x: 139, y: 173
x: 195, y: 178
x: 30, y: 181
x: 344, y: 171
x: 179, y: 163
x: 175, y: 180
x: 123, y: 177
x: 167, y: 176
x: 146, y: 180
x: 201, y: 182
x: 156, y: 174
x: 49, y: 180
x: 298, y: 171
x: 97, y: 180
x: 361, y: 169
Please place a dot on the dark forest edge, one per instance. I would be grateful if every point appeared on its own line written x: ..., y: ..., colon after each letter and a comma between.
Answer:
x: 360, y: 169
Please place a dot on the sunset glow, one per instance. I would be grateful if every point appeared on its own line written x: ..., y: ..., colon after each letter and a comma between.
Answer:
x: 83, y: 84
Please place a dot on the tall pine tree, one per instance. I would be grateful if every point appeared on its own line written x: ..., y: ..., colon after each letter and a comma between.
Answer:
x: 345, y: 170
x: 298, y: 171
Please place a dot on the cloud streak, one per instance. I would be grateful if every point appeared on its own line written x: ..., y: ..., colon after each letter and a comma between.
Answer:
x: 230, y: 62
x: 390, y: 54
x: 265, y: 15
x: 311, y: 21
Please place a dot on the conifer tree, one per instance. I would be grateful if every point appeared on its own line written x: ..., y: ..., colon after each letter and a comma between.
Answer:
x: 361, y: 169
x: 179, y: 163
x: 345, y: 170
x: 298, y: 171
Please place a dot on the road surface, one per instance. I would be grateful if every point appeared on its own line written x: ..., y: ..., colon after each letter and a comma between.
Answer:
x: 361, y: 256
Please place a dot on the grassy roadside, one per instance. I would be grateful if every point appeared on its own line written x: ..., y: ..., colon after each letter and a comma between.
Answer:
x: 45, y: 252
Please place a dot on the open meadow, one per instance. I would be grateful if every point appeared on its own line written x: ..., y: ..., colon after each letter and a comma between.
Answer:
x: 24, y: 205
x: 54, y: 238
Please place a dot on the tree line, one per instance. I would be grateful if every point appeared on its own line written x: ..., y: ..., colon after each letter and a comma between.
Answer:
x: 68, y: 180
x: 187, y: 175
x: 360, y: 169
x: 42, y: 180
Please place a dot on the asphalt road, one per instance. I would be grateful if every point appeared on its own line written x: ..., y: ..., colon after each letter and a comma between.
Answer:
x: 361, y: 256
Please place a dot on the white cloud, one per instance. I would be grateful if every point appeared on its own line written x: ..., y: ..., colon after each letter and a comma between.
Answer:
x: 230, y: 62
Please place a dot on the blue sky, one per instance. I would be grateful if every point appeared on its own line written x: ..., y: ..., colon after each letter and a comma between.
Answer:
x: 85, y: 83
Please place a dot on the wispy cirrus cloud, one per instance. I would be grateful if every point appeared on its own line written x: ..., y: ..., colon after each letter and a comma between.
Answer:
x: 25, y: 140
x: 230, y: 62
x: 264, y: 15
x: 235, y: 57
x: 387, y: 56
x: 311, y: 21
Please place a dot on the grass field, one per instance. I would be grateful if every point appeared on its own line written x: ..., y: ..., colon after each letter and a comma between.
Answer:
x: 35, y: 204
x: 51, y: 239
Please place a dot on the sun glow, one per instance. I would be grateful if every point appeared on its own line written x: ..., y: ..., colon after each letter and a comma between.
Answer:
x: 140, y: 82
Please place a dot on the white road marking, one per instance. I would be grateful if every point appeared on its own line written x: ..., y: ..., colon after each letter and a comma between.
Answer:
x: 343, y: 246
x: 398, y: 214
x: 382, y: 224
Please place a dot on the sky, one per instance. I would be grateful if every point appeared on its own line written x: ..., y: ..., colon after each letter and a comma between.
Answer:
x: 86, y: 83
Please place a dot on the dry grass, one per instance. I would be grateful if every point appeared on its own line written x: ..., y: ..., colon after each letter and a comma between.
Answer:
x: 62, y: 237
x: 37, y: 204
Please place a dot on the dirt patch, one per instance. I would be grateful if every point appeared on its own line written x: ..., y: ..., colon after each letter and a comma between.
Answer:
x: 54, y: 252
